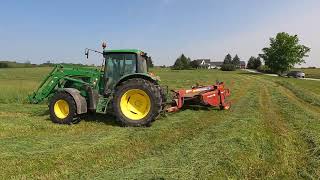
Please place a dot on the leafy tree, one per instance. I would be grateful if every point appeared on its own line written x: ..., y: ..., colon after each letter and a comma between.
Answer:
x: 194, y: 64
x: 227, y: 59
x: 188, y: 63
x: 150, y: 62
x: 236, y: 61
x: 284, y: 52
x: 254, y: 63
x: 227, y: 64
x: 182, y: 63
x: 178, y: 64
x: 250, y: 64
x: 257, y: 63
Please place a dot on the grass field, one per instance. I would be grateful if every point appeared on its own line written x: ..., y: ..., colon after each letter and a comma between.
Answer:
x: 271, y: 131
x: 311, y: 73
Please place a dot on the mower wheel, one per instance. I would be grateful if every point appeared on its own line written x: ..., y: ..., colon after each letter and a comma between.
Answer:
x: 62, y: 108
x: 226, y: 106
x: 137, y: 102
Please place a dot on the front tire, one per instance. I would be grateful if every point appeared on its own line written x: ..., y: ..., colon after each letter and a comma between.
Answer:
x: 137, y: 102
x: 62, y: 108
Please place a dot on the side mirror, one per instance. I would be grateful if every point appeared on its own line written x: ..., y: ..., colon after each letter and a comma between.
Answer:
x: 86, y: 53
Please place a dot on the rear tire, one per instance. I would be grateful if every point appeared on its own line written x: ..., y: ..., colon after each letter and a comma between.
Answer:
x: 163, y: 100
x: 62, y: 108
x: 137, y: 102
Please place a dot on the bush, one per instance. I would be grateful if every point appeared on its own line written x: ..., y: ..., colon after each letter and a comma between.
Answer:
x: 264, y: 69
x: 228, y: 67
x: 4, y: 65
x: 254, y: 63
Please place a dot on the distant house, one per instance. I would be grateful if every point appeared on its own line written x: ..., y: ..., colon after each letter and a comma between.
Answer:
x: 207, y: 64
x: 203, y: 63
x: 242, y: 64
x: 216, y: 65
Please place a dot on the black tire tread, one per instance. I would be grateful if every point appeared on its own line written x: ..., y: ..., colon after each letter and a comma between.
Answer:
x: 72, y: 105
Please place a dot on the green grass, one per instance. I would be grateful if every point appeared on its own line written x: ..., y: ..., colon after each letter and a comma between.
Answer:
x: 271, y: 131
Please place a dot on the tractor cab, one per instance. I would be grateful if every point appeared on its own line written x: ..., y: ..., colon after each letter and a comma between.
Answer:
x: 124, y: 62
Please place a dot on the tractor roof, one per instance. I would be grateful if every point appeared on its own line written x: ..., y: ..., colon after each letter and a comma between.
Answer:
x: 122, y: 51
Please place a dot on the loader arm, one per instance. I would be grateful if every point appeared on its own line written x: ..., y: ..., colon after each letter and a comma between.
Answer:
x: 58, y: 76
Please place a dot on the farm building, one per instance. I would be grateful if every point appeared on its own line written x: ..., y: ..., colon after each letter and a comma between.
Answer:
x: 203, y: 63
x: 242, y: 65
x: 206, y: 63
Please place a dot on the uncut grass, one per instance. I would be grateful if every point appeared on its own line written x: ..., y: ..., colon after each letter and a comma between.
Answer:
x: 303, y: 117
x: 306, y: 86
x: 17, y: 83
x: 311, y: 73
x: 306, y: 122
x: 203, y: 143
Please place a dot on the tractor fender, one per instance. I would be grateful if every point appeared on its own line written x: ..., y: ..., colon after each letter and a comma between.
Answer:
x: 80, y: 101
x: 137, y: 75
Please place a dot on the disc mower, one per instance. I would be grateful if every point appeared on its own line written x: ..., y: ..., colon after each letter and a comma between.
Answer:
x: 122, y: 86
x: 214, y: 95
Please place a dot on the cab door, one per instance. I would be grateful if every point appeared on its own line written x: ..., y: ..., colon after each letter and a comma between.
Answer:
x: 119, y: 65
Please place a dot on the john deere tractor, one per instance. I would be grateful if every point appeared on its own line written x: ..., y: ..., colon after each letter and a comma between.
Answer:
x: 122, y: 86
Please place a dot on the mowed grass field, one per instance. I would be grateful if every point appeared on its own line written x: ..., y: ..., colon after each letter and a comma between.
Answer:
x: 271, y: 131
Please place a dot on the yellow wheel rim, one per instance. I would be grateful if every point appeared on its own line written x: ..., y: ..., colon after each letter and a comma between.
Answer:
x: 135, y: 104
x: 61, y: 109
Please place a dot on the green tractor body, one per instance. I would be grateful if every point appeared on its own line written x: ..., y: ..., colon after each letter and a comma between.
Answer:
x: 122, y: 86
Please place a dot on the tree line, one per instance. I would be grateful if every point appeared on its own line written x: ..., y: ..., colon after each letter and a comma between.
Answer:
x: 183, y: 62
x: 230, y: 64
x: 283, y: 53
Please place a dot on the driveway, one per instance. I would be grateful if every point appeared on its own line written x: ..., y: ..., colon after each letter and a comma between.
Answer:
x: 255, y: 71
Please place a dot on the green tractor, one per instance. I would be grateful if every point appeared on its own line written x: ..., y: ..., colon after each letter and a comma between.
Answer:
x: 122, y: 86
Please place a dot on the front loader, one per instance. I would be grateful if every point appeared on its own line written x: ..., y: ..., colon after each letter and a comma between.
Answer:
x: 122, y: 86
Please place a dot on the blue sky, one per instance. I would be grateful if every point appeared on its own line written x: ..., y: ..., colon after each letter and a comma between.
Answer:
x: 60, y: 30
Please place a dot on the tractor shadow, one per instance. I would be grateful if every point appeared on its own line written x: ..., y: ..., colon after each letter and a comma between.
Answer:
x: 250, y: 73
x: 198, y: 108
x: 110, y: 120
x: 42, y: 113
x: 107, y: 119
